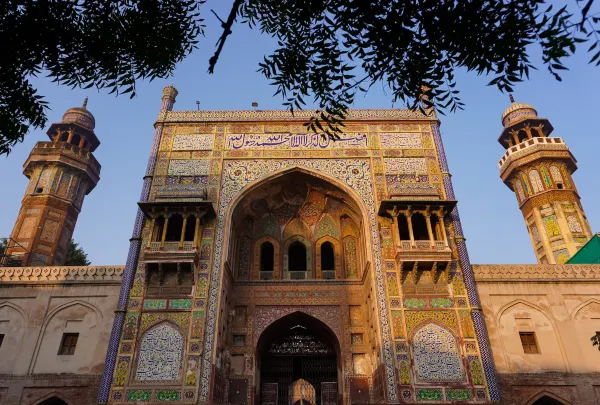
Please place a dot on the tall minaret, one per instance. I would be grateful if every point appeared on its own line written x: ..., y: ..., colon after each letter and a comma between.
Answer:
x: 538, y: 169
x: 61, y: 172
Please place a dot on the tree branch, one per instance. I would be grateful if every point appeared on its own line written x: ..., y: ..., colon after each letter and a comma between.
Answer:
x: 226, y: 31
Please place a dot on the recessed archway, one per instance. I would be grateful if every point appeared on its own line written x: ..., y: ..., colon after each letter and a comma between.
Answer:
x: 298, y: 347
x: 54, y: 400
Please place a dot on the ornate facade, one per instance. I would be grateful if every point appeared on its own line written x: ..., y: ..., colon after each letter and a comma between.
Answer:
x: 271, y: 266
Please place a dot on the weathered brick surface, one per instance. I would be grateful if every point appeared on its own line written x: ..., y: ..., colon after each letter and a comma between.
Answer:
x: 32, y: 389
x: 570, y: 389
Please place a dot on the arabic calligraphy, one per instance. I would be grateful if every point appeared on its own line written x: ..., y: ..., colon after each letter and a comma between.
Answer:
x: 295, y: 141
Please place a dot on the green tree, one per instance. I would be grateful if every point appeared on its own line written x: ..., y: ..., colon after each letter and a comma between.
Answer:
x: 596, y: 341
x: 328, y: 50
x: 76, y: 256
x: 3, y: 246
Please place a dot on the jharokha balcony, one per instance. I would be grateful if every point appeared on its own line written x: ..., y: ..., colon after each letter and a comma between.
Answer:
x: 176, y: 228
x: 420, y: 231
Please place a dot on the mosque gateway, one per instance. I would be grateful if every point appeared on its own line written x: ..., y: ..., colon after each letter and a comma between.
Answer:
x: 271, y: 266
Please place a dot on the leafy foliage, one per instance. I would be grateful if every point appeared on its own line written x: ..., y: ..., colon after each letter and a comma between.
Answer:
x: 107, y: 44
x: 76, y: 256
x: 328, y: 50
x: 596, y: 341
x: 3, y: 246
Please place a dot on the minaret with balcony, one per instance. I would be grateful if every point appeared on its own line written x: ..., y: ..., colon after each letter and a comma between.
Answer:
x: 61, y: 173
x: 539, y: 168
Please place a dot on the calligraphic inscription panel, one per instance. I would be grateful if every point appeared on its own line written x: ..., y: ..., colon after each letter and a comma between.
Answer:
x: 401, y: 140
x: 295, y: 141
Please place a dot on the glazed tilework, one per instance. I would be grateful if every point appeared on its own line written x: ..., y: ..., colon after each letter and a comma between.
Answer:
x: 413, y: 318
x: 469, y: 278
x: 189, y: 167
x: 290, y: 140
x: 405, y: 165
x: 401, y: 140
x: 160, y: 354
x: 436, y: 355
x: 355, y: 175
x: 193, y: 142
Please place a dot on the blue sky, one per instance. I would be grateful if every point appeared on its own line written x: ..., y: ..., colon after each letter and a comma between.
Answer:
x: 492, y: 221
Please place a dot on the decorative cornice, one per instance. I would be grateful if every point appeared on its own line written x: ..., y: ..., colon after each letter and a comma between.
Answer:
x: 60, y: 274
x: 536, y: 272
x: 395, y: 114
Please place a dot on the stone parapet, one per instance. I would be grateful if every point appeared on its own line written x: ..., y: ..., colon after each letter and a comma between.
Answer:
x: 59, y: 274
x: 536, y: 272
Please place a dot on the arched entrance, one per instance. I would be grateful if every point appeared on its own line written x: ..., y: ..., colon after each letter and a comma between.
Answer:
x: 547, y: 400
x: 298, y: 361
x: 52, y: 401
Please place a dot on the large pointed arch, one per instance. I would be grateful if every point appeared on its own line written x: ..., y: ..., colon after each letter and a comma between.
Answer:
x: 53, y: 398
x: 354, y: 178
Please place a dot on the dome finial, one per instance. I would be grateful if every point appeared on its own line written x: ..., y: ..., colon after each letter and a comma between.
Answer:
x: 85, y: 103
x: 512, y: 99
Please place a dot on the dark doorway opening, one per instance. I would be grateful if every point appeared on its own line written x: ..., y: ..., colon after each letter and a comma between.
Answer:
x: 298, y: 349
x: 327, y: 256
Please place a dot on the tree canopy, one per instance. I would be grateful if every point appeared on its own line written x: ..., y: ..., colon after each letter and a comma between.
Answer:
x: 76, y: 256
x: 327, y: 50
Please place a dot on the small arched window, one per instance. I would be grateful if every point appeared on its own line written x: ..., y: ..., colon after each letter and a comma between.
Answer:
x: 174, y: 228
x: 327, y: 256
x: 403, y: 227
x: 436, y: 227
x: 76, y: 139
x: 267, y: 256
x: 419, y: 226
x: 190, y: 228
x: 157, y: 232
x: 297, y: 257
x: 64, y: 137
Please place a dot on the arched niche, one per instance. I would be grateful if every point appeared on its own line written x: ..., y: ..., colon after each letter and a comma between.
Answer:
x: 328, y: 252
x: 259, y: 261
x: 76, y: 317
x: 293, y: 208
x: 53, y: 400
x: 547, y: 398
x: 586, y: 323
x: 518, y: 317
x: 13, y: 325
x: 160, y: 354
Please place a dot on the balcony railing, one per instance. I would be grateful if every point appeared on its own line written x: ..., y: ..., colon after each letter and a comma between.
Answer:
x: 527, y: 144
x: 328, y: 274
x: 423, y: 245
x: 266, y: 275
x: 297, y: 275
x: 171, y: 246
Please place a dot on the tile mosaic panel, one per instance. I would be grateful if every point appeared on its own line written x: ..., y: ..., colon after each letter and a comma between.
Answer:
x: 574, y: 225
x: 401, y: 140
x: 159, y: 358
x: 189, y: 167
x: 193, y: 142
x: 551, y: 226
x: 441, y: 302
x: 436, y: 355
x: 414, y: 303
x: 405, y: 165
x: 294, y: 141
x: 155, y: 304
x: 429, y: 394
x: 181, y: 303
x: 138, y: 395
x: 561, y: 256
x: 458, y: 395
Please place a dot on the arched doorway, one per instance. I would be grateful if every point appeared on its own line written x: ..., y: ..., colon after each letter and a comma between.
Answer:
x: 546, y: 400
x: 298, y: 358
x: 52, y: 401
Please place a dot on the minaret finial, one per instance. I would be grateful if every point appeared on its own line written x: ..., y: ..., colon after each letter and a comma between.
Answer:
x: 512, y: 99
x: 85, y: 103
